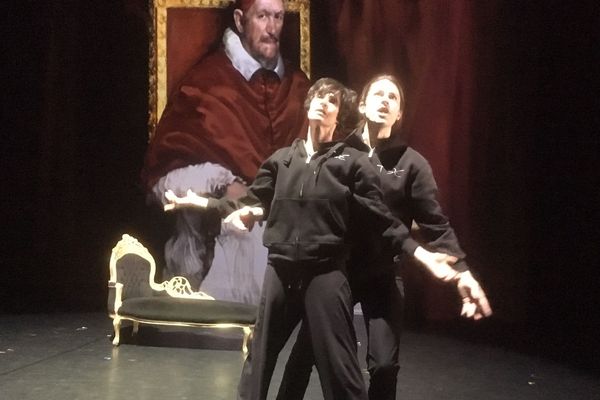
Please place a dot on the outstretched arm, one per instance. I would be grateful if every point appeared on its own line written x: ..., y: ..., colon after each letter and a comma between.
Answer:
x: 435, y: 229
x: 368, y: 196
x: 434, y: 226
x: 241, y: 220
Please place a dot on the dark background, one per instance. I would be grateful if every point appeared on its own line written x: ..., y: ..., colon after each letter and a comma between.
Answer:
x: 74, y: 131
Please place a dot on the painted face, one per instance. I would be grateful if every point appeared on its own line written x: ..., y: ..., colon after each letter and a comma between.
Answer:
x: 324, y: 108
x: 382, y: 103
x: 260, y: 28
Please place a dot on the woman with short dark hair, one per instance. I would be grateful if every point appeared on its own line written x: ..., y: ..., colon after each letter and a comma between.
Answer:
x: 410, y: 192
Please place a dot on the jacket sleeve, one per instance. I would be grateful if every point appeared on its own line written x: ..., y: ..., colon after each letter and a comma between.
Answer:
x: 259, y: 194
x: 262, y: 190
x: 369, y: 209
x: 434, y: 226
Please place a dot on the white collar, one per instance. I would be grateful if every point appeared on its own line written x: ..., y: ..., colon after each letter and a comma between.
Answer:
x: 371, y: 151
x: 241, y: 60
x: 308, y: 146
x: 365, y: 138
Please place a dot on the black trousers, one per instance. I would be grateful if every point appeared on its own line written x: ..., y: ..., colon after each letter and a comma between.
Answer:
x: 322, y: 300
x: 382, y: 303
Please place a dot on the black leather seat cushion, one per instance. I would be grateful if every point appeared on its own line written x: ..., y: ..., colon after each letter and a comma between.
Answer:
x: 188, y: 310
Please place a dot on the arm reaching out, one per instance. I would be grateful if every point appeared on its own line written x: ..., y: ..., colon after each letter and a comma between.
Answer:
x: 241, y: 220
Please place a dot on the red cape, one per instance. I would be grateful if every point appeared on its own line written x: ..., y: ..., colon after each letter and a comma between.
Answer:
x: 217, y: 116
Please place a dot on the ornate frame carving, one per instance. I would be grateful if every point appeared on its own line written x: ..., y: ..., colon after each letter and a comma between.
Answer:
x: 157, y: 90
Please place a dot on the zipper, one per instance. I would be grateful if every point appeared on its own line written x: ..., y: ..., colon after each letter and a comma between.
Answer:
x: 304, y: 180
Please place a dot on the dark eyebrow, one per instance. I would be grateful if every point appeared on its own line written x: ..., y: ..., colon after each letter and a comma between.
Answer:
x: 269, y: 11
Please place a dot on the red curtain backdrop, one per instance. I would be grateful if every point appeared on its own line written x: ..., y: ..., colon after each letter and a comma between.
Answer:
x: 430, y: 46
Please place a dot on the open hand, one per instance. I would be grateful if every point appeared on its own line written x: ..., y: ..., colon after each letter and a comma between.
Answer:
x: 242, y: 220
x: 475, y: 302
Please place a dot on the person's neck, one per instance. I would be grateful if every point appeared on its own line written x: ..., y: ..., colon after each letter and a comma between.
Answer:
x: 374, y: 132
x: 318, y: 134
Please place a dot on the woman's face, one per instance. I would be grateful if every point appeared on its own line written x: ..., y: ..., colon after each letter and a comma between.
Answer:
x: 382, y: 103
x: 324, y: 108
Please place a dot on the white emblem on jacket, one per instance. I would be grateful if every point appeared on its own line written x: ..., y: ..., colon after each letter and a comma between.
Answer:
x: 342, y: 157
x: 395, y: 171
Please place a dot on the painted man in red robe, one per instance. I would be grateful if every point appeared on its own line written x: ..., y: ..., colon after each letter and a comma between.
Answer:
x: 232, y: 110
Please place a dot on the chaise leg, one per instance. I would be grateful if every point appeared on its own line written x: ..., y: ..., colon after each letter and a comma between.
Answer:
x: 136, y: 327
x: 117, y: 328
x: 247, y: 333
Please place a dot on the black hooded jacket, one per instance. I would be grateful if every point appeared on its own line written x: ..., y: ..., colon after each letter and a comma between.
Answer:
x: 311, y: 206
x: 410, y: 192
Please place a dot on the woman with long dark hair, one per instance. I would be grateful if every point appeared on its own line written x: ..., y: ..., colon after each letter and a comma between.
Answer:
x: 410, y: 192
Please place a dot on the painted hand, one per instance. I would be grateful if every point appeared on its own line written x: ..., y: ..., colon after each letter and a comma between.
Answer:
x: 191, y: 199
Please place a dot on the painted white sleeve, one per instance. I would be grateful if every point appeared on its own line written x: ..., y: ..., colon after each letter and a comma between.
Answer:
x: 206, y: 178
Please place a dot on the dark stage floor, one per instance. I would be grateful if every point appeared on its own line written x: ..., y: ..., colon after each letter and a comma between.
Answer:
x: 69, y: 356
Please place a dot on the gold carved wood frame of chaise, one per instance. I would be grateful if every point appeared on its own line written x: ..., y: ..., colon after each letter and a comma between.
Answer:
x: 133, y: 295
x: 183, y: 31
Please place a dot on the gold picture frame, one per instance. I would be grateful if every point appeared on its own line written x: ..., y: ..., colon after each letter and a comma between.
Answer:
x: 163, y: 11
